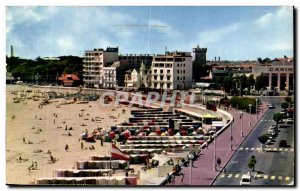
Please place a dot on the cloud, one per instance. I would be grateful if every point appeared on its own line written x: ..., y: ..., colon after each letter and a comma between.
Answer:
x: 270, y: 34
x: 215, y: 35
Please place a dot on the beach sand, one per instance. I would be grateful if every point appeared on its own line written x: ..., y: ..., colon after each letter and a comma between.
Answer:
x: 50, y: 137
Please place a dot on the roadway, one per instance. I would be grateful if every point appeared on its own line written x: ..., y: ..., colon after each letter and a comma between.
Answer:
x: 275, y: 167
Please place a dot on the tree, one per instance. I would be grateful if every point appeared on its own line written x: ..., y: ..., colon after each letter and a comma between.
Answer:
x: 252, y: 163
x: 263, y: 139
x: 284, y: 105
x: 278, y: 117
x: 288, y: 99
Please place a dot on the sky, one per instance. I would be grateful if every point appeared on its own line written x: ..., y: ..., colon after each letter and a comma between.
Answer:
x: 232, y: 33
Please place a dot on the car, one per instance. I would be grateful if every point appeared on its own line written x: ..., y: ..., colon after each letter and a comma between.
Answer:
x: 283, y: 143
x: 271, y: 106
x: 269, y: 142
x: 246, y: 180
x: 290, y: 121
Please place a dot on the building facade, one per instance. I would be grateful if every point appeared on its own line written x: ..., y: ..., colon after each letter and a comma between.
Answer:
x: 172, y: 71
x: 135, y: 60
x: 280, y: 74
x: 137, y: 78
x: 199, y: 54
x: 113, y: 75
x: 93, y: 63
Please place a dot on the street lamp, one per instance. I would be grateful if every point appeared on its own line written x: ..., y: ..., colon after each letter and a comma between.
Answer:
x: 250, y: 105
x: 256, y: 101
x: 241, y: 124
x: 231, y: 138
x: 191, y: 158
x: 215, y: 147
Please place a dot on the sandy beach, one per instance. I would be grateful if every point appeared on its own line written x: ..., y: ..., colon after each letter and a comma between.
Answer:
x: 37, y: 126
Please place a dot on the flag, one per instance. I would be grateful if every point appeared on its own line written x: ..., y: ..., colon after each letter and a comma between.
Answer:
x: 116, y: 153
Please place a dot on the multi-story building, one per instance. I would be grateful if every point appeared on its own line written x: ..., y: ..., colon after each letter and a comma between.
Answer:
x: 172, y: 71
x: 93, y: 63
x: 135, y: 60
x: 113, y: 75
x: 137, y: 77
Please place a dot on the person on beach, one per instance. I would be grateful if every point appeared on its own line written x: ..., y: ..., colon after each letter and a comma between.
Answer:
x: 53, y: 121
x: 67, y: 148
x: 101, y: 140
x: 24, y: 140
x: 82, y: 146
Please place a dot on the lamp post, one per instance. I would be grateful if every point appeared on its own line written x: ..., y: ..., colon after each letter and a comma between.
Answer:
x: 191, y: 157
x: 242, y: 124
x: 250, y: 105
x: 256, y: 101
x: 215, y: 147
x: 231, y: 138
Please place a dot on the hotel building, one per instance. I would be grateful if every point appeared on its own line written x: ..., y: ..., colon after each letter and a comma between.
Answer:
x: 172, y: 71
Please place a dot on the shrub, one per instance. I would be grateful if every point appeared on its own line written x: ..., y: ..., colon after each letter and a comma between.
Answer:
x: 263, y: 139
x: 284, y: 105
x: 242, y: 103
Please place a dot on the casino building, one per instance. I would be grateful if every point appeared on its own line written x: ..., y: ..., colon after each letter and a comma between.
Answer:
x: 280, y: 73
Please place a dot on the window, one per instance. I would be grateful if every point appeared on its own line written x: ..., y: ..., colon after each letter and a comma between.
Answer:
x: 168, y: 77
x: 183, y: 77
x: 161, y: 77
x: 177, y: 77
x: 168, y: 85
x: 161, y: 71
x: 155, y: 71
x: 184, y: 71
x: 155, y: 77
x: 177, y: 71
x: 168, y: 71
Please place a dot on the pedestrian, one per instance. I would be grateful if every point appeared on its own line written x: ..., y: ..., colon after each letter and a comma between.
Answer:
x: 24, y: 140
x: 219, y: 161
x: 35, y: 116
x: 169, y: 179
x: 35, y: 165
x: 67, y: 147
x: 53, y: 121
x: 182, y: 177
x: 82, y: 146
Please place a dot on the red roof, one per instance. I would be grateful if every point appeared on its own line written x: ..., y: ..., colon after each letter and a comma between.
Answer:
x: 68, y: 77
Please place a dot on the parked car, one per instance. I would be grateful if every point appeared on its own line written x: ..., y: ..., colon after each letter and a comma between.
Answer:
x: 283, y: 143
x: 290, y: 121
x: 246, y: 180
x: 271, y: 106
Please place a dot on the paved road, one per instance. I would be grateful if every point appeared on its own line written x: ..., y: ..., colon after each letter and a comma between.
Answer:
x: 275, y: 167
x: 203, y: 172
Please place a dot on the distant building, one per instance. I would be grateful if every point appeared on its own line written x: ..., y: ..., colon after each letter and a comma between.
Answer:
x: 280, y: 73
x: 137, y: 77
x: 51, y: 58
x: 135, y: 60
x: 199, y: 54
x: 68, y: 80
x: 93, y: 63
x: 172, y: 71
x: 113, y: 75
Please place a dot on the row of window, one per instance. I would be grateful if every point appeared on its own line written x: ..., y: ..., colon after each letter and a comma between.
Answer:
x: 162, y: 78
x: 156, y: 85
x: 162, y: 71
x: 93, y: 54
x: 180, y: 71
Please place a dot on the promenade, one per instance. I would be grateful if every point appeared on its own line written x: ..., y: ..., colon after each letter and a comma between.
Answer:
x: 203, y: 172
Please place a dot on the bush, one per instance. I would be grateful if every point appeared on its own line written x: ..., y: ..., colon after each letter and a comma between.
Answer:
x: 288, y: 99
x: 278, y: 117
x: 242, y: 103
x: 263, y: 139
x: 284, y: 105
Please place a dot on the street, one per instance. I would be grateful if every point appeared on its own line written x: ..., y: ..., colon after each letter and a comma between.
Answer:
x: 274, y: 166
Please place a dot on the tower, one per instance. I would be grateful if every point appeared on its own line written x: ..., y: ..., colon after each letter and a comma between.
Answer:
x: 12, y: 51
x: 199, y: 54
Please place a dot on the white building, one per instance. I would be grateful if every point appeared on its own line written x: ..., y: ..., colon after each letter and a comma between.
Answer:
x: 172, y: 71
x: 137, y: 78
x: 93, y: 63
